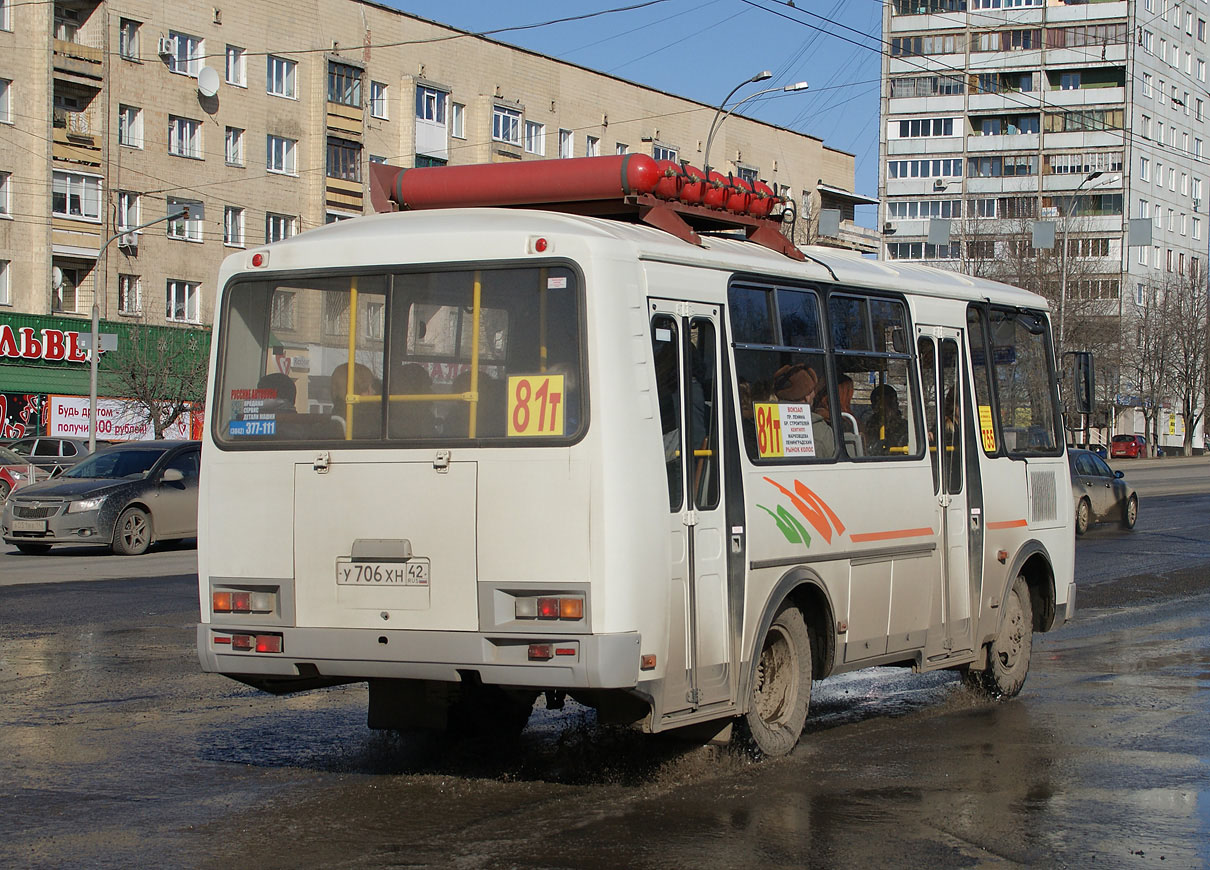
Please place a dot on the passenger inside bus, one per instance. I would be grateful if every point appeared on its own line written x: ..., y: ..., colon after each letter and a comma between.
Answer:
x: 885, y: 426
x: 799, y: 384
x: 367, y: 412
x: 411, y: 419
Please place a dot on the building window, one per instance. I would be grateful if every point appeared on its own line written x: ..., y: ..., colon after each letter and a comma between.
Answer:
x: 184, y: 137
x: 430, y: 105
x: 5, y: 295
x: 1201, y: 70
x: 181, y: 304
x: 376, y: 158
x: 428, y: 160
x: 233, y: 146
x: 279, y: 77
x: 128, y: 36
x: 592, y: 146
x: 621, y: 148
x: 344, y: 84
x: 281, y: 310
x: 344, y: 159
x: 378, y: 100
x: 130, y: 294
x: 279, y: 155
x: 130, y: 126
x: 1146, y: 84
x: 76, y: 196
x: 506, y: 125
x: 566, y: 143
x: 664, y: 152
x: 921, y: 127
x: 1070, y: 81
x: 752, y: 175
x: 237, y: 66
x: 65, y: 294
x: 189, y: 227
x: 233, y: 226
x: 535, y: 138
x: 5, y: 207
x: 1144, y: 169
x: 5, y: 108
x: 278, y: 227
x: 188, y: 52
x: 457, y: 120
x: 129, y: 207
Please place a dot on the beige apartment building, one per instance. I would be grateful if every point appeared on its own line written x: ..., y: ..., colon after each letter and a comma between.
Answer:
x: 261, y: 117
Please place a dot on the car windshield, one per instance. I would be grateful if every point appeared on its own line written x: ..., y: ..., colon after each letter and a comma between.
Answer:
x: 116, y: 464
x: 8, y: 457
x: 1123, y: 439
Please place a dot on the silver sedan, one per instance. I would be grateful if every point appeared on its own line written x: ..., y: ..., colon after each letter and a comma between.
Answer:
x: 1100, y: 493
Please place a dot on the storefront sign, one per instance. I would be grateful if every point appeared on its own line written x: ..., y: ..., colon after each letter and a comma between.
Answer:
x: 56, y: 345
x: 117, y: 420
x: 21, y: 414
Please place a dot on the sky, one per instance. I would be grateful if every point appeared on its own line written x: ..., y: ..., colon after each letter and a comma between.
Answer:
x: 701, y: 49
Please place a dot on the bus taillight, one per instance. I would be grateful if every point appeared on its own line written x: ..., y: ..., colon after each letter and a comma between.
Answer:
x: 565, y: 607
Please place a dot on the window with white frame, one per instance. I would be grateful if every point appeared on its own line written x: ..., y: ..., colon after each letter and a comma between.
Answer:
x: 281, y: 309
x: 279, y: 77
x: 233, y: 146
x: 1144, y: 169
x: 1201, y: 70
x: 5, y: 101
x: 130, y: 294
x: 664, y: 152
x: 181, y: 301
x: 76, y: 196
x: 535, y: 138
x: 129, y: 209
x: 233, y: 226
x: 1197, y: 227
x: 430, y: 104
x: 236, y: 66
x: 1196, y: 189
x: 130, y: 126
x: 748, y: 173
x: 128, y: 37
x: 344, y: 84
x: 592, y: 146
x: 1142, y: 255
x: 1146, y: 84
x: 506, y: 125
x: 6, y: 208
x: 621, y: 148
x: 279, y: 226
x: 458, y: 120
x: 188, y: 228
x: 378, y: 100
x: 5, y: 294
x: 188, y: 52
x: 566, y: 143
x: 279, y: 154
x: 344, y: 159
x: 184, y: 137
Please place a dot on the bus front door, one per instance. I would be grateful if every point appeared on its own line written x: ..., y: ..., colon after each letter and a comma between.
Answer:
x: 958, y: 497
x: 685, y: 344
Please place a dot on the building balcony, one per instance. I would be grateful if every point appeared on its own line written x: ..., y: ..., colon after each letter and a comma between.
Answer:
x: 78, y: 63
x: 1084, y: 57
x: 1009, y: 142
x: 1078, y: 13
x: 1007, y: 102
x: 945, y: 105
x: 941, y: 146
x: 941, y: 187
x: 1110, y: 98
x: 1009, y: 184
x: 1084, y: 139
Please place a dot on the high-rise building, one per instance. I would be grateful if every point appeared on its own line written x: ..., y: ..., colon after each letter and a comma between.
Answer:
x: 1001, y: 114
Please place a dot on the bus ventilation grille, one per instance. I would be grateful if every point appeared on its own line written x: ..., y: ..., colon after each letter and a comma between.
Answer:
x: 1043, y: 507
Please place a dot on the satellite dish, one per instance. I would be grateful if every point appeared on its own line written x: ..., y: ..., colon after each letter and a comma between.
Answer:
x: 56, y: 278
x: 207, y: 81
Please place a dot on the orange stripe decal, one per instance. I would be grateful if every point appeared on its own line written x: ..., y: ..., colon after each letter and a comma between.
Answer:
x: 890, y: 536
x: 1007, y: 524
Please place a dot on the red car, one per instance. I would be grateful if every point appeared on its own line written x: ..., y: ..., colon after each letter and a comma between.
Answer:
x: 14, y: 472
x: 1127, y: 447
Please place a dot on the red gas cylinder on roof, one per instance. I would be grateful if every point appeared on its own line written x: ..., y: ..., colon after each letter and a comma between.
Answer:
x: 763, y: 200
x: 694, y: 188
x: 671, y: 179
x: 740, y: 197
x: 717, y: 191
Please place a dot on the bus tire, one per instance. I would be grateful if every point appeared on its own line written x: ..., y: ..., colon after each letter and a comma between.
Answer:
x: 1008, y: 654
x: 781, y: 687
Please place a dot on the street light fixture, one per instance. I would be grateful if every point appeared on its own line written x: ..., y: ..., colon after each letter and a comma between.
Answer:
x: 1071, y: 199
x: 720, y: 116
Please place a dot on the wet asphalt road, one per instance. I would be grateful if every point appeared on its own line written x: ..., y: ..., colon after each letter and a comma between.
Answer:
x: 118, y: 752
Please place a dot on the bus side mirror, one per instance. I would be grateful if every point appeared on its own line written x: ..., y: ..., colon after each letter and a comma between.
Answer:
x: 1083, y: 381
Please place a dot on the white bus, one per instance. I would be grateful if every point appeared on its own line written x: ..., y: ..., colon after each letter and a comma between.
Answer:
x: 473, y: 455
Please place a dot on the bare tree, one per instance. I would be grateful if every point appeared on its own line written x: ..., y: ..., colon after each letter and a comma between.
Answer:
x: 1147, y: 359
x: 1187, y: 313
x: 161, y: 371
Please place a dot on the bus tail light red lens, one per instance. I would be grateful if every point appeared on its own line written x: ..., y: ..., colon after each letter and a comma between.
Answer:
x: 268, y: 643
x: 548, y: 608
x: 566, y: 607
x: 261, y: 643
x: 541, y: 652
x: 241, y: 602
x: 243, y: 641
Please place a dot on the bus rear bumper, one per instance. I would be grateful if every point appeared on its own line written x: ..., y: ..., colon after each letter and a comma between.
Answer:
x: 600, y: 661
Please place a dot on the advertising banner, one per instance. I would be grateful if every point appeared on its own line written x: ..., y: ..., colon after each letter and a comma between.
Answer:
x: 21, y: 414
x: 117, y: 420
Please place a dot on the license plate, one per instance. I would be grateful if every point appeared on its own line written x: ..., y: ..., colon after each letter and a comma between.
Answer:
x: 29, y: 525
x: 413, y: 572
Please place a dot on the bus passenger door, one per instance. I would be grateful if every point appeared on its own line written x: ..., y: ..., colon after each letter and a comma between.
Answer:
x: 960, y: 515
x: 685, y: 343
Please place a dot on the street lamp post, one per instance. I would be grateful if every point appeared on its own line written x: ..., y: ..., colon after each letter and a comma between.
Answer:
x: 720, y: 116
x: 94, y: 349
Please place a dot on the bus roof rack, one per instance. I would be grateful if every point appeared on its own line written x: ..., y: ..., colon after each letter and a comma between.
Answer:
x: 675, y: 197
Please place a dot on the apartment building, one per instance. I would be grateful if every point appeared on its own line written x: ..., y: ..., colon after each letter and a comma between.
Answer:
x: 1001, y: 113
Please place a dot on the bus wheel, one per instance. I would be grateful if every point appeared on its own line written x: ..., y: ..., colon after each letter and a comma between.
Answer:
x: 781, y: 686
x: 1083, y: 516
x: 1008, y: 654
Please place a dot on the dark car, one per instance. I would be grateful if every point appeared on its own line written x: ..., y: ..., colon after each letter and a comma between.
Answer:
x: 1128, y: 447
x: 1100, y: 493
x: 124, y: 497
x: 50, y: 452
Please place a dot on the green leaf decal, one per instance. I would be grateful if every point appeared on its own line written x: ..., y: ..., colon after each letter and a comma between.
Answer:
x: 790, y: 528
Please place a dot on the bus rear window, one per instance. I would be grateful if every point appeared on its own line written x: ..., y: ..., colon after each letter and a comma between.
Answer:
x: 449, y: 356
